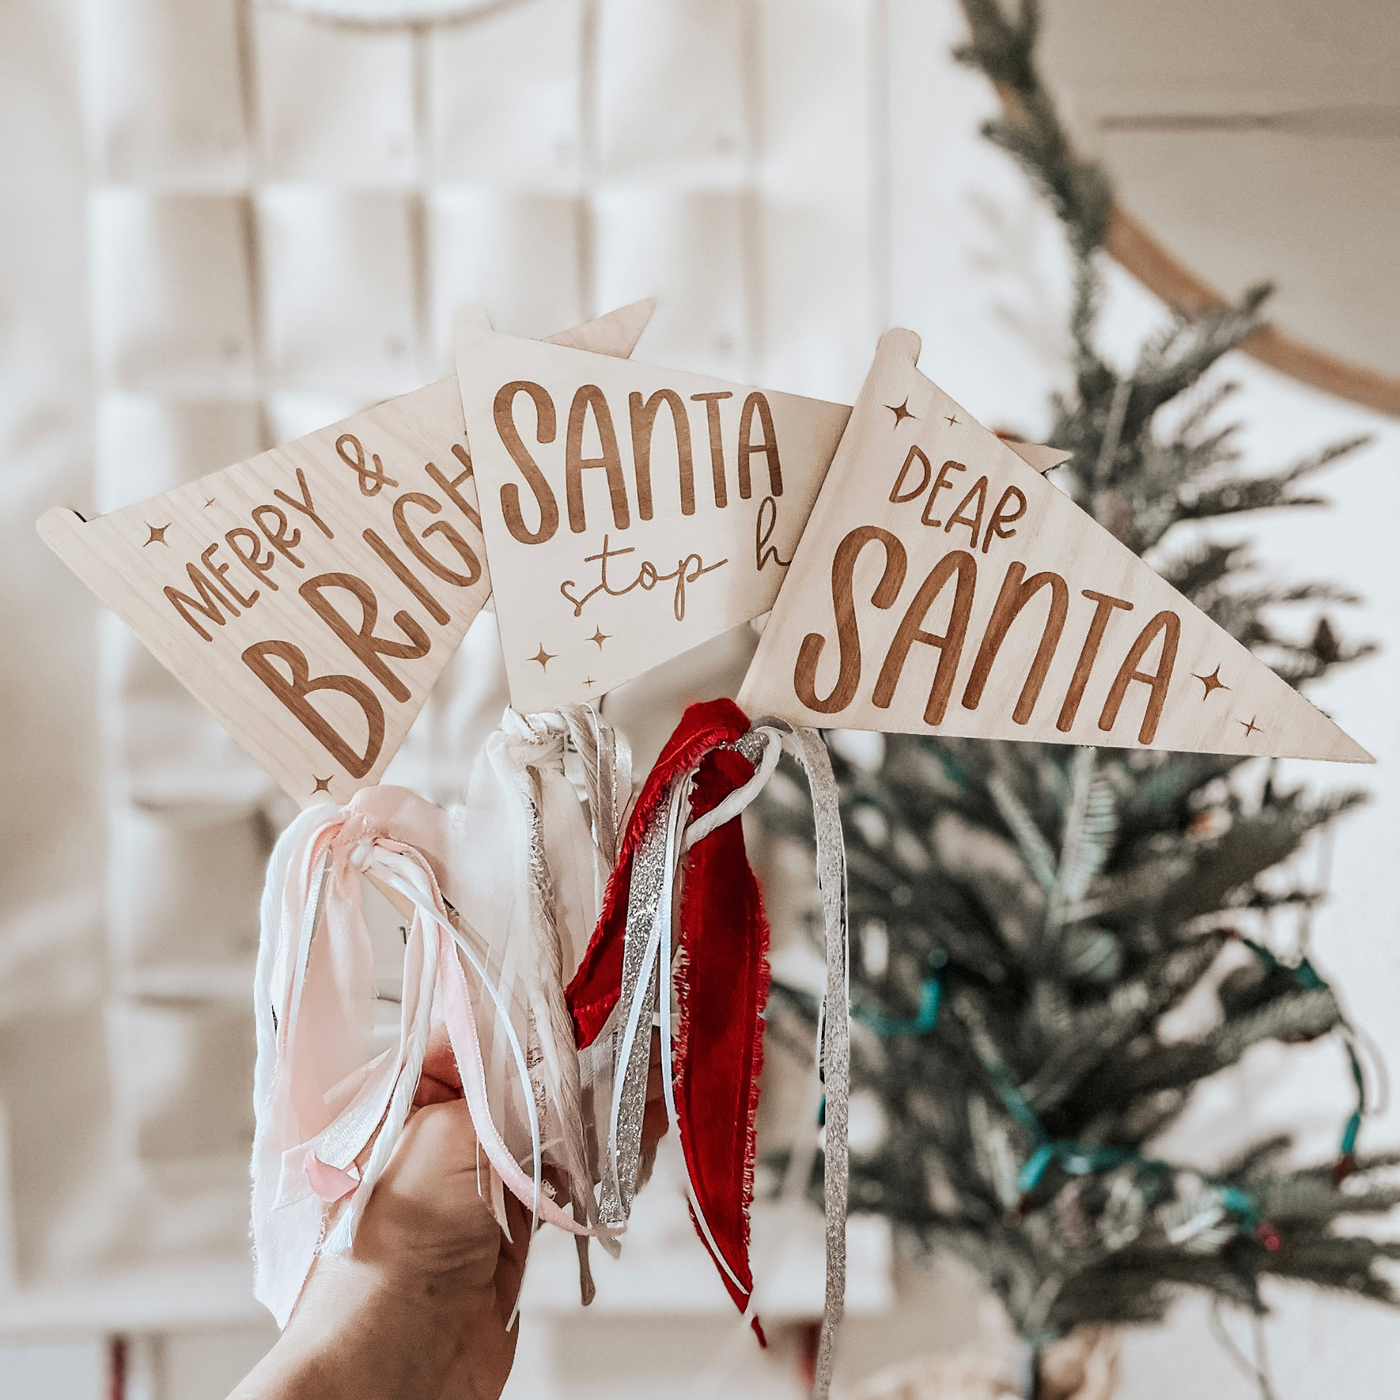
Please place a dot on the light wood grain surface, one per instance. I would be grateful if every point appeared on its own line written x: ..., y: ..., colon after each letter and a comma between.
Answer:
x: 311, y: 596
x: 630, y: 512
x: 943, y: 586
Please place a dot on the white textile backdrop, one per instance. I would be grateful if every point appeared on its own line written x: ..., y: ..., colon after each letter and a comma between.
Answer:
x: 226, y: 224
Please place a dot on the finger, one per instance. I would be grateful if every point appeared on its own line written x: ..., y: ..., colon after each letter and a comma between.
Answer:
x: 439, y: 1142
x: 427, y: 1206
x: 439, y: 1063
x: 431, y: 1090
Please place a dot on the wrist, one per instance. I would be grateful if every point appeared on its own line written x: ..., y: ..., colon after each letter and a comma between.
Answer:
x: 409, y: 1322
x: 365, y: 1328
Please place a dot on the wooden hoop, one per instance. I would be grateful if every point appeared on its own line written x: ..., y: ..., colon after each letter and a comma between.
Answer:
x: 1134, y: 248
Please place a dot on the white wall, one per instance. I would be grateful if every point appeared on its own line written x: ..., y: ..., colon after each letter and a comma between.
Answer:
x: 224, y: 226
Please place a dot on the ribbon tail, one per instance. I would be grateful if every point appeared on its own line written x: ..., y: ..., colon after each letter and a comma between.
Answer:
x: 420, y: 977
x: 556, y: 1031
x: 466, y: 1048
x: 835, y: 1047
x: 722, y: 988
x: 556, y: 1027
x: 638, y: 998
x: 290, y: 908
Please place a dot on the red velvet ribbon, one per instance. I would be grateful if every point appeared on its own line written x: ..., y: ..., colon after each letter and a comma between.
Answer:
x: 723, y: 982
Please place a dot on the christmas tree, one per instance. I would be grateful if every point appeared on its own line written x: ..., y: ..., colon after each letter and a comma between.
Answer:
x: 1024, y: 917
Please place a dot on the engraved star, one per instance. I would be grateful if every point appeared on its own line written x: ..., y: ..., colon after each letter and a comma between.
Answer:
x: 157, y: 533
x: 900, y: 413
x: 589, y: 682
x: 1211, y: 682
x: 600, y: 637
x: 544, y: 657
x: 322, y: 785
x: 1251, y: 727
x: 951, y: 419
x: 209, y: 503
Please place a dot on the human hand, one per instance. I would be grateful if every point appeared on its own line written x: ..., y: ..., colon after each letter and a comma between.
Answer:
x: 419, y: 1305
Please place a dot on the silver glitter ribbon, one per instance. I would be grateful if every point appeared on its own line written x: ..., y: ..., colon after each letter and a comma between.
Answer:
x: 653, y: 869
x: 833, y: 1033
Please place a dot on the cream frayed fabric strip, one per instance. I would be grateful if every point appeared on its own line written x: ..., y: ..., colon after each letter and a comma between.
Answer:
x: 531, y: 850
x: 648, y: 958
x: 606, y: 763
x: 329, y: 1111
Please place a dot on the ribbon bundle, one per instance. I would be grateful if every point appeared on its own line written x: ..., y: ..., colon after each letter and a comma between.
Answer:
x: 713, y: 766
x: 322, y: 1100
x: 500, y: 894
x: 494, y: 888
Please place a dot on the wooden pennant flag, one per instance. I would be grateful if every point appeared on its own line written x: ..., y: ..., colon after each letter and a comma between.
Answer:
x: 1037, y: 456
x: 310, y: 596
x: 943, y: 586
x: 630, y: 512
x: 685, y: 529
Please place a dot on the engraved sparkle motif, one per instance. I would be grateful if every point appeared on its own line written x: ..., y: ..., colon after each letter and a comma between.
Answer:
x: 1211, y: 682
x: 322, y: 784
x: 544, y: 657
x: 900, y: 413
x: 1251, y: 727
x: 600, y: 637
x: 157, y: 534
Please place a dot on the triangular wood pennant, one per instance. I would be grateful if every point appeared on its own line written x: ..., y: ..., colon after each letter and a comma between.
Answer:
x: 630, y: 512
x: 943, y: 586
x: 310, y: 596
